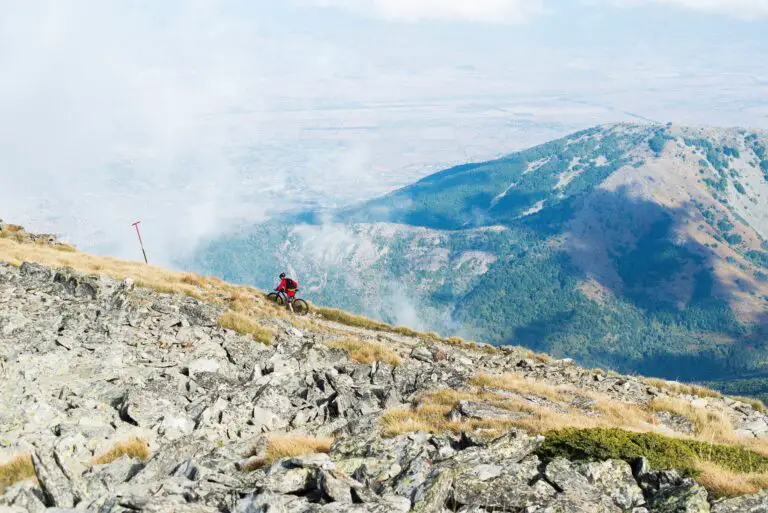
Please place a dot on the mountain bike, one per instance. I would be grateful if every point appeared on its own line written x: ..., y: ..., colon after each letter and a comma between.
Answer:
x: 300, y: 307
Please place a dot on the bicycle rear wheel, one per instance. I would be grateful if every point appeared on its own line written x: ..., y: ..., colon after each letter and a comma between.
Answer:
x: 300, y: 307
x: 274, y: 297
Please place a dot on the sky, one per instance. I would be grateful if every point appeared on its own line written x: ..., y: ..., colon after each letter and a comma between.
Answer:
x: 199, y: 116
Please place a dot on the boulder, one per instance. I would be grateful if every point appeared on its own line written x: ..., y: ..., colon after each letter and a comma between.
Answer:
x: 757, y: 503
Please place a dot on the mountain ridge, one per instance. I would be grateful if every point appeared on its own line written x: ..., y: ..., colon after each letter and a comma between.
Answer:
x: 660, y: 229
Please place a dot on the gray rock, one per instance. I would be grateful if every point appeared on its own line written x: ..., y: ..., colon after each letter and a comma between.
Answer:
x: 757, y: 503
x: 24, y: 495
x: 337, y: 487
x: 687, y: 497
x: 290, y: 481
x: 271, y: 502
x: 483, y: 411
x: 104, y: 478
x: 57, y: 490
x: 519, y: 487
x: 319, y: 461
x: 614, y: 478
x: 432, y: 495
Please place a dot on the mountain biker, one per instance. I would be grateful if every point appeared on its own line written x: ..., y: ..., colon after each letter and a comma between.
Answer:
x: 288, y: 286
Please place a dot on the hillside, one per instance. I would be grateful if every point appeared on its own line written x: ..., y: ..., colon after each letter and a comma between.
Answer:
x: 635, y: 247
x: 126, y: 387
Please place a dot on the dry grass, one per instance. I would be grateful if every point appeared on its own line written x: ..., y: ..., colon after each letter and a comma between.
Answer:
x: 18, y: 237
x: 710, y: 425
x: 357, y: 321
x: 755, y: 403
x: 541, y: 357
x: 521, y: 385
x: 681, y: 388
x: 289, y: 446
x: 13, y: 228
x: 725, y: 483
x: 246, y: 326
x: 135, y: 448
x: 366, y: 352
x: 147, y: 276
x: 430, y: 412
x: 16, y: 470
x: 470, y: 346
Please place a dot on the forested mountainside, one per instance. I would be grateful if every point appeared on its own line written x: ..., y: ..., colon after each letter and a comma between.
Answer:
x: 637, y: 247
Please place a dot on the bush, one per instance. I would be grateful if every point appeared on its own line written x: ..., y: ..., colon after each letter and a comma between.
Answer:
x: 662, y: 452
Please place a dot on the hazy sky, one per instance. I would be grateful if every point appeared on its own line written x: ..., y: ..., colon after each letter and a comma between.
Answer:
x: 197, y: 115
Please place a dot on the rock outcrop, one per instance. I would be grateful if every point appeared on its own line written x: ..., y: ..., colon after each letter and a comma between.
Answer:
x: 87, y: 362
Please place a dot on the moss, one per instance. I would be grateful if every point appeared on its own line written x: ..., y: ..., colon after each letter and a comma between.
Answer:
x: 662, y: 452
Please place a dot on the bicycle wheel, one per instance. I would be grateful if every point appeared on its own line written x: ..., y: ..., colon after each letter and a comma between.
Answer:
x: 274, y: 297
x: 300, y: 307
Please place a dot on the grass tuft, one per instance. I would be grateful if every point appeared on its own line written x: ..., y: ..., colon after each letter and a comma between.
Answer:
x: 357, y: 321
x: 521, y: 385
x: 246, y: 326
x: 366, y: 352
x: 288, y: 446
x: 16, y: 470
x: 681, y: 388
x: 755, y: 403
x: 135, y: 448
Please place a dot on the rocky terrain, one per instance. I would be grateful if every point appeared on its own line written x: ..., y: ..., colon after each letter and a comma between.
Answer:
x: 218, y: 422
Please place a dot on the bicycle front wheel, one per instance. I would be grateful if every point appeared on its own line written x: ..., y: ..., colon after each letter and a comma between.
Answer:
x: 300, y: 307
x: 274, y: 297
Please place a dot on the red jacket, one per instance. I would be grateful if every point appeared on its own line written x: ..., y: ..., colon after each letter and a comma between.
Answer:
x: 284, y: 285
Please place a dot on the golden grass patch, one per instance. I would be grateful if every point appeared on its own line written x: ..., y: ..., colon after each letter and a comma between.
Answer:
x: 470, y: 346
x: 755, y: 403
x: 709, y: 424
x: 134, y: 447
x: 288, y: 446
x: 246, y: 325
x: 357, y: 321
x: 726, y: 483
x: 366, y: 352
x: 681, y: 388
x: 521, y: 385
x: 16, y: 470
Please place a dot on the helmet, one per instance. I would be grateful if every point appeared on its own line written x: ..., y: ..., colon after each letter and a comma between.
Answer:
x: 282, y: 275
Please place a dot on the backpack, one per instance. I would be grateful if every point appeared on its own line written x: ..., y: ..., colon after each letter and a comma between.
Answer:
x: 291, y: 284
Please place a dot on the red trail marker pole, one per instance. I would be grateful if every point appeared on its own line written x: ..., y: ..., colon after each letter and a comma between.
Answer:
x: 141, y: 243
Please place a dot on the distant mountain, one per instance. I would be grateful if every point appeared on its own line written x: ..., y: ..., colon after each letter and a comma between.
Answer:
x: 638, y: 247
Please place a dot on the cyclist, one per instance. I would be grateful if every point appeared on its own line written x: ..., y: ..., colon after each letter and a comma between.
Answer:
x: 288, y: 287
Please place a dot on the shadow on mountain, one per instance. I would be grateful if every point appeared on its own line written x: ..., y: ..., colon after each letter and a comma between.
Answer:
x: 666, y: 313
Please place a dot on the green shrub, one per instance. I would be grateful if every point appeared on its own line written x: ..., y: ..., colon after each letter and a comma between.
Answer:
x: 662, y: 452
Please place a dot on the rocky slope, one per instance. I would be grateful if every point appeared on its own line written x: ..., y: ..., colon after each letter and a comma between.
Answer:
x: 87, y: 362
x: 641, y: 248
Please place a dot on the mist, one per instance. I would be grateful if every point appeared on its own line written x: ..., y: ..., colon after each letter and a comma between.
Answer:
x: 199, y: 117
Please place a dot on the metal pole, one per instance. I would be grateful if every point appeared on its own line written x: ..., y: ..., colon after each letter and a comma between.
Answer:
x: 136, y: 225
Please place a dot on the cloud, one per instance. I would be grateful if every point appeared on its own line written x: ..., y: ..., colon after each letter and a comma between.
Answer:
x: 489, y: 11
x: 747, y: 9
